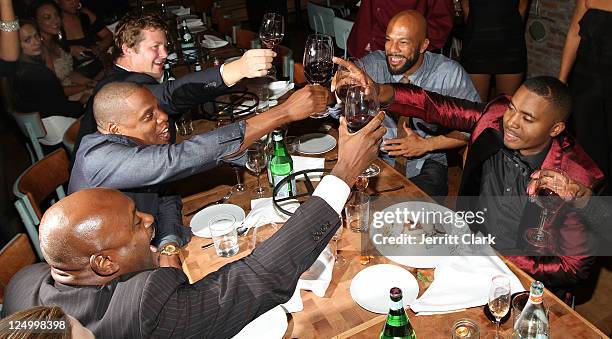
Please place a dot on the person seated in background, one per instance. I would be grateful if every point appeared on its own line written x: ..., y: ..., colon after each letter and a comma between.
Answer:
x: 132, y: 151
x: 101, y: 269
x: 65, y: 326
x: 83, y: 33
x: 140, y: 53
x: 48, y: 17
x: 37, y: 89
x: 405, y: 59
x: 511, y: 138
x: 368, y: 33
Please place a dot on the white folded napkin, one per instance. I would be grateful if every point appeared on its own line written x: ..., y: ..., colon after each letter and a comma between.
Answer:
x: 304, y: 163
x: 463, y: 282
x: 181, y: 11
x: 316, y: 279
x: 56, y: 126
x: 263, y: 212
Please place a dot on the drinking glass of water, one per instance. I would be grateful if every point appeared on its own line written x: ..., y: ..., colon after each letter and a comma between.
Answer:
x: 223, y: 230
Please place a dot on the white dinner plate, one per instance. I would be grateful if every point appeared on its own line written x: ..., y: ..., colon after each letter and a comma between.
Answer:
x: 316, y: 143
x: 270, y: 325
x: 417, y: 255
x: 370, y: 287
x: 199, y: 222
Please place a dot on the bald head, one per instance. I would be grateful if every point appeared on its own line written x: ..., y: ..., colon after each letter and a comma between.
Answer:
x: 73, y: 229
x: 110, y: 103
x: 412, y: 21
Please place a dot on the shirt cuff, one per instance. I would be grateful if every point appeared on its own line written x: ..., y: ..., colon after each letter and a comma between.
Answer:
x: 221, y: 72
x: 334, y: 191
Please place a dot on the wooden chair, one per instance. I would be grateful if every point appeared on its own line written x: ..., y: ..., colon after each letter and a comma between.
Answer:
x: 342, y: 29
x: 14, y: 256
x: 33, y: 128
x: 244, y: 38
x: 35, y: 186
x: 320, y: 18
x: 70, y: 135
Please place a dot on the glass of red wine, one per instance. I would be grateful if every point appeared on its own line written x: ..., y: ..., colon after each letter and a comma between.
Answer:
x: 359, y: 109
x: 271, y: 33
x: 318, y: 65
x: 550, y: 202
x: 344, y: 81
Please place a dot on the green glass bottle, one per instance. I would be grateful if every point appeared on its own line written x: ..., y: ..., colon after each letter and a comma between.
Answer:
x: 398, y: 325
x: 187, y: 44
x: 281, y: 165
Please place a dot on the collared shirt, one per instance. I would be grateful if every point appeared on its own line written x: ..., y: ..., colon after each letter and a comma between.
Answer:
x: 503, y: 187
x: 437, y: 74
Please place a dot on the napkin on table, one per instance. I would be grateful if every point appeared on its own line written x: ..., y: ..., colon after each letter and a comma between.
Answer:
x: 304, y: 163
x: 263, y: 212
x: 462, y: 282
x: 316, y: 279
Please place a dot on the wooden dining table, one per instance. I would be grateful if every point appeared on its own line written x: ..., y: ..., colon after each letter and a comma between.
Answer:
x: 336, y: 315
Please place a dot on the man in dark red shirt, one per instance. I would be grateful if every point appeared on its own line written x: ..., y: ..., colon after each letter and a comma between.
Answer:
x: 368, y: 32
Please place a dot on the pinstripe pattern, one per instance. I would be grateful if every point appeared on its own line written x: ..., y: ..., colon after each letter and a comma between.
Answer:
x: 162, y: 304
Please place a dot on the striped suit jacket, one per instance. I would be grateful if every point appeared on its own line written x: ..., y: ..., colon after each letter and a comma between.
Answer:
x: 161, y: 303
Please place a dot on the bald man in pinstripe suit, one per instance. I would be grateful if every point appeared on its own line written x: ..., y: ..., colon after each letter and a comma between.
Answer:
x: 102, y: 270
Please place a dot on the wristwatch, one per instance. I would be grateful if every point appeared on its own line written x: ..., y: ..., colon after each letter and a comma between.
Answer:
x: 170, y: 250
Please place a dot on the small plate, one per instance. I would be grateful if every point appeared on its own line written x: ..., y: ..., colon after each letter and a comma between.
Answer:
x: 370, y: 287
x: 316, y: 143
x: 270, y: 325
x: 199, y: 222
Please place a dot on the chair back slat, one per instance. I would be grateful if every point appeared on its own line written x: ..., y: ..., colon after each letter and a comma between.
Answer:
x: 16, y: 255
x: 71, y: 134
x: 40, y: 180
x: 321, y: 18
x: 342, y: 29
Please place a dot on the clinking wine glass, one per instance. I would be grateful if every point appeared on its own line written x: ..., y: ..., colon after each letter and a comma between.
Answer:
x: 359, y: 109
x: 499, y: 299
x: 271, y: 33
x: 342, y: 78
x: 318, y: 65
x: 256, y: 161
x: 550, y: 202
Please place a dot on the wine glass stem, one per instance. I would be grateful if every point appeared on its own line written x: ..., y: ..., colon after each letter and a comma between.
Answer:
x: 497, y: 327
x: 543, y: 221
x: 258, y: 183
x: 239, y: 183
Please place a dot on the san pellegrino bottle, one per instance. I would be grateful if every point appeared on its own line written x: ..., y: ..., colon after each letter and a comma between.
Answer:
x: 281, y: 165
x: 532, y: 323
x: 168, y: 76
x: 187, y: 43
x: 269, y: 149
x: 198, y: 67
x: 398, y: 325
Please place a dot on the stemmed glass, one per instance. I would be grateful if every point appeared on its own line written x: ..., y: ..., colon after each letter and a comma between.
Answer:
x: 318, y: 65
x: 550, y: 202
x: 271, y: 33
x: 499, y: 299
x: 255, y: 162
x: 342, y: 77
x: 340, y: 260
x: 239, y: 187
x: 359, y: 109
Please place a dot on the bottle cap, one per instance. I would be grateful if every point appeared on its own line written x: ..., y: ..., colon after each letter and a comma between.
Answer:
x: 395, y: 293
x: 536, y: 292
x: 277, y: 137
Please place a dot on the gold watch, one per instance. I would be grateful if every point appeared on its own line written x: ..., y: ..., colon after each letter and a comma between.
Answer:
x: 170, y: 250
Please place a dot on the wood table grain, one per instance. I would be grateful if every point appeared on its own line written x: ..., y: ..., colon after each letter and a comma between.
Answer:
x: 336, y: 314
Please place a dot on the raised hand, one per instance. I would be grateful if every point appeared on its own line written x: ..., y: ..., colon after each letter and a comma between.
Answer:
x: 560, y: 183
x: 356, y: 151
x: 253, y: 63
x: 306, y: 101
x: 411, y: 146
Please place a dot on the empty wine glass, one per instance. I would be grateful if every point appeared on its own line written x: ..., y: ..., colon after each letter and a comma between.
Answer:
x: 550, y: 202
x: 359, y: 109
x: 256, y: 161
x: 239, y: 187
x: 499, y: 299
x: 271, y: 33
x: 318, y: 65
x: 340, y: 260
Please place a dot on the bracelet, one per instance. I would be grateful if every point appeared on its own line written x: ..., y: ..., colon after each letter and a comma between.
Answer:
x: 9, y: 26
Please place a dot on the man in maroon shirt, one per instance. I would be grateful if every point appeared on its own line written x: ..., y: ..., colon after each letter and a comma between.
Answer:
x: 368, y: 33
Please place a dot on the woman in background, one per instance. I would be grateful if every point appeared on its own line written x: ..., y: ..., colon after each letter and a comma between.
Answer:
x: 83, y: 32
x: 587, y: 56
x: 494, y: 44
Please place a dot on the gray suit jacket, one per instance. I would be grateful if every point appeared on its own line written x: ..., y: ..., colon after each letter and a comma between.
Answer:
x: 141, y: 171
x: 161, y: 303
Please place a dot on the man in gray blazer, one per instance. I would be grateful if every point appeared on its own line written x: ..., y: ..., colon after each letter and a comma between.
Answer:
x: 132, y: 151
x: 102, y: 271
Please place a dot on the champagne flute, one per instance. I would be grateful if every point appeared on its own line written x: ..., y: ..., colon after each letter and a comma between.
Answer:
x: 256, y: 161
x: 318, y: 65
x: 271, y: 33
x: 499, y: 299
x: 550, y: 202
x: 359, y: 109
